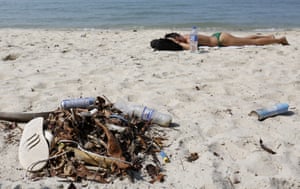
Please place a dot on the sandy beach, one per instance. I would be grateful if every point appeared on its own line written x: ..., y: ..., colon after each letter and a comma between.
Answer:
x: 209, y: 95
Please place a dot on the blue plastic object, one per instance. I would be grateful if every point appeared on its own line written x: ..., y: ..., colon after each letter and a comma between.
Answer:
x: 277, y: 109
x: 164, y: 156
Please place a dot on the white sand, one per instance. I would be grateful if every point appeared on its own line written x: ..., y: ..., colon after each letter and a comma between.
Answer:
x: 209, y: 96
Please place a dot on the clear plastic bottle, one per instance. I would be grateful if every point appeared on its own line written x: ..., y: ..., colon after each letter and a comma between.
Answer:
x: 144, y: 113
x: 194, y: 40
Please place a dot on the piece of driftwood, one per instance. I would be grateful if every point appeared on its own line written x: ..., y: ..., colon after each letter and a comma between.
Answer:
x: 22, y: 116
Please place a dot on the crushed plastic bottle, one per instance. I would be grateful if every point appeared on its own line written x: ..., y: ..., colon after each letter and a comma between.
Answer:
x: 264, y: 113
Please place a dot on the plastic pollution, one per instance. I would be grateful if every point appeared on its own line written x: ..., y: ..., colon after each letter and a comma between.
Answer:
x: 263, y: 113
x: 113, y: 127
x: 89, y: 113
x: 144, y: 113
x: 118, y: 117
x: 194, y: 40
x: 49, y: 137
x: 77, y: 103
x: 164, y: 156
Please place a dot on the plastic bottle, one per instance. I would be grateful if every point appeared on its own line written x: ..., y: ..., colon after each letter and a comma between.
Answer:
x: 194, y: 40
x: 164, y: 156
x: 77, y: 103
x: 277, y: 109
x: 144, y: 113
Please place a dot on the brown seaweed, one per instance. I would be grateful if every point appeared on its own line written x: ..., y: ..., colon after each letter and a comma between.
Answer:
x: 113, y: 147
x: 86, y: 148
x: 154, y: 173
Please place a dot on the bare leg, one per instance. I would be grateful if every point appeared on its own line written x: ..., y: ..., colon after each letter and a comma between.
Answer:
x: 230, y: 40
x: 260, y: 36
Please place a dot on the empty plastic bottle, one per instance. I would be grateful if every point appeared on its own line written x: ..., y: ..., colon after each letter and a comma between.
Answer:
x: 277, y: 109
x: 194, y: 40
x: 144, y: 113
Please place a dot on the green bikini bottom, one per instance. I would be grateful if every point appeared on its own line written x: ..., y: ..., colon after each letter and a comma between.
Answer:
x: 217, y: 35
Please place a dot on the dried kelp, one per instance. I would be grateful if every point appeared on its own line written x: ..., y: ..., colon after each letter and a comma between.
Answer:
x: 100, y: 143
x: 269, y: 150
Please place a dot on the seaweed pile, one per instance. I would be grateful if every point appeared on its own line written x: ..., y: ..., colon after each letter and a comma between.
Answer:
x: 100, y: 143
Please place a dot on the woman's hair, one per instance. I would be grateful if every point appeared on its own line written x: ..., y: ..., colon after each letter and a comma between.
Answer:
x: 172, y: 35
x: 165, y: 44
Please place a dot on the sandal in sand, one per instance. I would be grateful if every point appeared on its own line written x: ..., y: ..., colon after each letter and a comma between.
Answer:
x: 33, y: 149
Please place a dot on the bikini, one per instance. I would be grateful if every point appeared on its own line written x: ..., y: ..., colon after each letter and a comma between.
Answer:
x: 217, y: 35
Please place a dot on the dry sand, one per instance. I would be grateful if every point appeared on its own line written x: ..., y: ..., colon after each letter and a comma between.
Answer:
x: 209, y: 96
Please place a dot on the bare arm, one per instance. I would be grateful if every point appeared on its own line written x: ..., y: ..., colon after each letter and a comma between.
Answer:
x: 184, y: 45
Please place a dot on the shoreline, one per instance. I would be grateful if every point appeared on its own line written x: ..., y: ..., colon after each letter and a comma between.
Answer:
x: 132, y: 28
x: 209, y: 96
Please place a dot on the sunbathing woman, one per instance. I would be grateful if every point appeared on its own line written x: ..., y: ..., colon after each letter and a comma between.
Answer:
x: 224, y: 39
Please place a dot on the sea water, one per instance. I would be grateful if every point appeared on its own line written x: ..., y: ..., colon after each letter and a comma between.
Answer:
x: 230, y: 14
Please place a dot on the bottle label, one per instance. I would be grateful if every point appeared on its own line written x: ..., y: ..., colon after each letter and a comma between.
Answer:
x: 147, y: 114
x: 194, y: 38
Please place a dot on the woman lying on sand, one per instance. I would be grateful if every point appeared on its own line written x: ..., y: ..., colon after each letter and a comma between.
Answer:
x: 175, y: 41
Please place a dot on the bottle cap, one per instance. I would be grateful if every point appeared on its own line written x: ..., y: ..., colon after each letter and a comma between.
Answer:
x: 166, y: 160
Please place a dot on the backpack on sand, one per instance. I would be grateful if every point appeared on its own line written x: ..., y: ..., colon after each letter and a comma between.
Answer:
x: 165, y: 45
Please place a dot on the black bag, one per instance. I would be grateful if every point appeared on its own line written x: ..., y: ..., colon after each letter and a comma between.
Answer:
x: 165, y: 45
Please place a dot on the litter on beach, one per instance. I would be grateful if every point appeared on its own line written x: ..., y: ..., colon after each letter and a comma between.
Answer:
x: 264, y: 113
x: 97, y: 142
